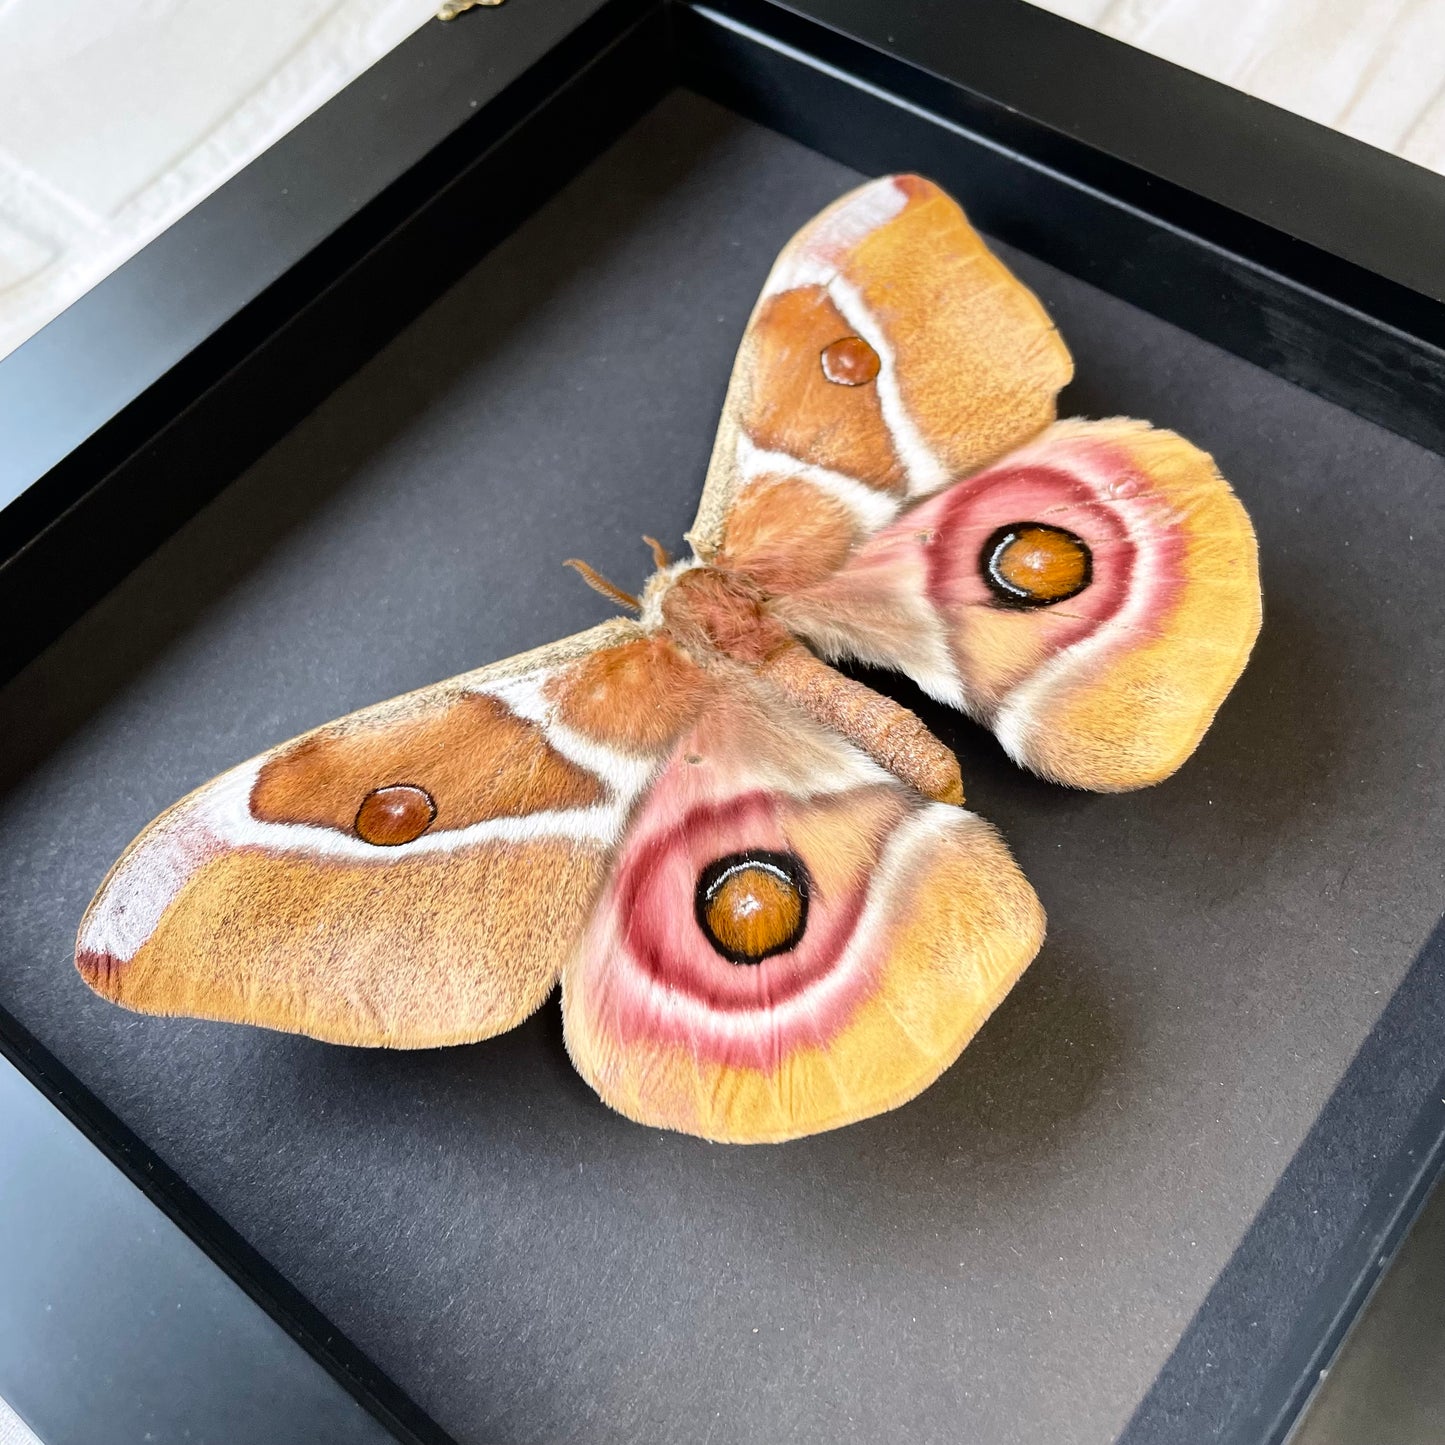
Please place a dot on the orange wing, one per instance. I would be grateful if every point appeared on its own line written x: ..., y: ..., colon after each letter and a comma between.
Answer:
x: 412, y: 875
x: 761, y: 933
x: 889, y: 353
x: 887, y: 460
x: 790, y: 939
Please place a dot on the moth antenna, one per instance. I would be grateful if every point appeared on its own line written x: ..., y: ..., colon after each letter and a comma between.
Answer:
x: 659, y: 552
x: 598, y: 583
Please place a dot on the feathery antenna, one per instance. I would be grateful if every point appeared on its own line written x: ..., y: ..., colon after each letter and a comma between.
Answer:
x: 598, y: 583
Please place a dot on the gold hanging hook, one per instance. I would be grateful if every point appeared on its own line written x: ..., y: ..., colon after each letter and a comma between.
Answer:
x: 452, y: 8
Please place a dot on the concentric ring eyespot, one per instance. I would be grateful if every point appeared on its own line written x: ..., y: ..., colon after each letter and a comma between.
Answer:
x: 752, y: 905
x: 1033, y: 564
x: 391, y: 816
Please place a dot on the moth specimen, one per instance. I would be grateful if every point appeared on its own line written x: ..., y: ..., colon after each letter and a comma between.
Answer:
x: 769, y: 912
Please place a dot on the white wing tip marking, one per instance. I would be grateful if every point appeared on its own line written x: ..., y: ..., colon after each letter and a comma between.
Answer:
x: 164, y: 859
x: 814, y: 262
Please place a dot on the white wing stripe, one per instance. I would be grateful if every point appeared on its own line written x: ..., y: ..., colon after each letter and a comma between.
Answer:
x: 873, y: 509
x: 220, y: 818
x: 926, y: 473
x: 623, y: 774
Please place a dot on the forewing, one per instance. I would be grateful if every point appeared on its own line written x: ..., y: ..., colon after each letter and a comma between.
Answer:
x: 889, y: 353
x: 917, y: 924
x: 1108, y: 687
x: 411, y: 875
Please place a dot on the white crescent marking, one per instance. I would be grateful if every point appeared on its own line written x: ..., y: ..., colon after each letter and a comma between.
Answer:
x: 1019, y: 713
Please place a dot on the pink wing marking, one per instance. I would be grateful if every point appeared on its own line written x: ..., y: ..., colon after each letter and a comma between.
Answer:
x: 662, y: 981
x: 1066, y: 479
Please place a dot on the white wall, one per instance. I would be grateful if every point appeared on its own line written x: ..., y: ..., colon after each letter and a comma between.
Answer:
x: 117, y: 116
x: 1374, y: 69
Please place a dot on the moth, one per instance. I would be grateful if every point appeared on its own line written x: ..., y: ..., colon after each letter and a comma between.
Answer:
x: 753, y: 876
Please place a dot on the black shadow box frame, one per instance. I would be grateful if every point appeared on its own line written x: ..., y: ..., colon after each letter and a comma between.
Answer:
x: 1299, y: 250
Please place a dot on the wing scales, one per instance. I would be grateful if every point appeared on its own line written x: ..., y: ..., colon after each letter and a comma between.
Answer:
x: 256, y: 900
x: 918, y: 923
x: 424, y: 871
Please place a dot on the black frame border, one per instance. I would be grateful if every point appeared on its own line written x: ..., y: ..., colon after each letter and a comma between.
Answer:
x: 1246, y: 225
x: 260, y: 1280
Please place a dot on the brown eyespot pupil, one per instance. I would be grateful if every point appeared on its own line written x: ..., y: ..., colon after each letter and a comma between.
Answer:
x: 752, y: 905
x: 850, y: 361
x: 395, y: 815
x: 1030, y: 564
